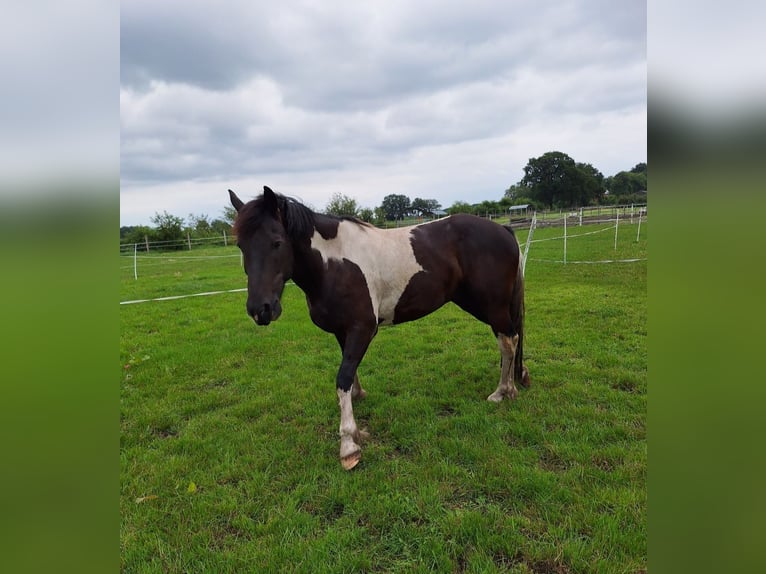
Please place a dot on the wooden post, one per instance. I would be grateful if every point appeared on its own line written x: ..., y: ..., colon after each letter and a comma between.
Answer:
x: 146, y: 239
x: 188, y: 240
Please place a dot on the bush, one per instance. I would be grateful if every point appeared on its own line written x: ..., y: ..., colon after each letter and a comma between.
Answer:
x: 169, y: 229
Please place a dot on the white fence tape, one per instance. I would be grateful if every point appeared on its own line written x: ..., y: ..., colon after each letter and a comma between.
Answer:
x: 576, y: 235
x: 566, y: 236
x: 527, y: 244
x: 174, y: 258
x: 590, y: 262
x: 171, y: 298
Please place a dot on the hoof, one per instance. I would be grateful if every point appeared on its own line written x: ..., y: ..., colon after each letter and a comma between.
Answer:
x: 351, y: 460
x: 499, y: 395
x: 495, y: 397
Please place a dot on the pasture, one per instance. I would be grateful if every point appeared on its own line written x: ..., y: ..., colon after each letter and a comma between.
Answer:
x: 228, y: 445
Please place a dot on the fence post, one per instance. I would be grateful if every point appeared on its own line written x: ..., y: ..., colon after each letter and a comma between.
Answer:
x: 638, y: 233
x: 565, y: 241
x: 616, y: 227
x: 146, y: 239
x: 188, y: 240
x: 135, y: 261
x: 225, y: 243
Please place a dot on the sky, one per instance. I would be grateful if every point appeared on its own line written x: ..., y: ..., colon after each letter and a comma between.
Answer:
x: 431, y: 99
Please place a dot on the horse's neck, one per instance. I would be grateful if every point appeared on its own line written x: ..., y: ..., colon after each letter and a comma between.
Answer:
x: 308, y: 265
x: 307, y: 268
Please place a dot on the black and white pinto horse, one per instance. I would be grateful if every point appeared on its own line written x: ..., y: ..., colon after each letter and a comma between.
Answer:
x: 357, y: 277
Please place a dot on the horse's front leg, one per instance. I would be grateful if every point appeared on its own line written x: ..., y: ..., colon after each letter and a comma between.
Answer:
x: 354, y: 345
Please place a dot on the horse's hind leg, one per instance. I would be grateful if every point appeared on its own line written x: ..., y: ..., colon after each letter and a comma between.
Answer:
x: 357, y: 392
x: 525, y: 382
x: 506, y: 387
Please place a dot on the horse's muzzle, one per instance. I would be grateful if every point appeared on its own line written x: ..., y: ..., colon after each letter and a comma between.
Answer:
x: 266, y: 313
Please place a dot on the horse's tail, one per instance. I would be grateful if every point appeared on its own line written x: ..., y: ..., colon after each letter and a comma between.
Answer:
x: 517, y: 314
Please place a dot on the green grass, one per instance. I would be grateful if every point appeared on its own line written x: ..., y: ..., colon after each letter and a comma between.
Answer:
x: 163, y: 273
x: 229, y: 439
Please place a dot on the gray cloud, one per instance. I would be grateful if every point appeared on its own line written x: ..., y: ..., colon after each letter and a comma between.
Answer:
x: 310, y: 92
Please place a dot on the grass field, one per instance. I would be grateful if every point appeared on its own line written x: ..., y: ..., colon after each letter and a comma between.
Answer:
x: 229, y: 433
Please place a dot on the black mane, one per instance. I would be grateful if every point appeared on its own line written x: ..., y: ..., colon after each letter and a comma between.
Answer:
x: 299, y: 221
x: 296, y: 217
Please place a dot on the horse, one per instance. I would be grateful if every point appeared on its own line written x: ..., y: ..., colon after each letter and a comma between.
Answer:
x: 357, y: 277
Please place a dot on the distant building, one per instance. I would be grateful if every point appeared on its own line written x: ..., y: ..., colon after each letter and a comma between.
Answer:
x: 520, y: 211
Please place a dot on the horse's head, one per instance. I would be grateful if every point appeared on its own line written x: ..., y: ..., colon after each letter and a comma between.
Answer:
x: 267, y: 253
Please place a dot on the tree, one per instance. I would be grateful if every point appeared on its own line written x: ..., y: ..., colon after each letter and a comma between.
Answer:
x: 219, y: 227
x: 626, y: 183
x: 460, y: 207
x: 366, y: 214
x: 137, y: 234
x: 513, y: 192
x: 591, y: 187
x: 555, y: 180
x: 396, y: 206
x: 200, y: 224
x: 168, y: 227
x: 487, y: 207
x: 342, y: 205
x: 546, y: 177
x: 379, y: 215
x: 425, y: 206
x: 229, y: 214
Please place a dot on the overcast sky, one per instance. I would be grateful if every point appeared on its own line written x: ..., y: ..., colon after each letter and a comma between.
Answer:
x: 431, y: 99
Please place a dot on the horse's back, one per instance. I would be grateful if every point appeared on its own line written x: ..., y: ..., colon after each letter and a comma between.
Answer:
x: 478, y: 241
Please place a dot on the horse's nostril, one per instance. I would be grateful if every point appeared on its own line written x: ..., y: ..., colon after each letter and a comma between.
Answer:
x: 267, y: 309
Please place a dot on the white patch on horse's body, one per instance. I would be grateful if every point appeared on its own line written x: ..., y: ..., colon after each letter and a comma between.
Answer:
x: 385, y: 257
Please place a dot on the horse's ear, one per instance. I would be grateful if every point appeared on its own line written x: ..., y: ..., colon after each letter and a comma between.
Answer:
x: 270, y: 200
x: 235, y: 201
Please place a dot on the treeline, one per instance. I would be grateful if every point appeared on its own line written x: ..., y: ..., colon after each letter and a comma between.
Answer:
x: 170, y: 230
x: 552, y: 181
x: 394, y: 207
